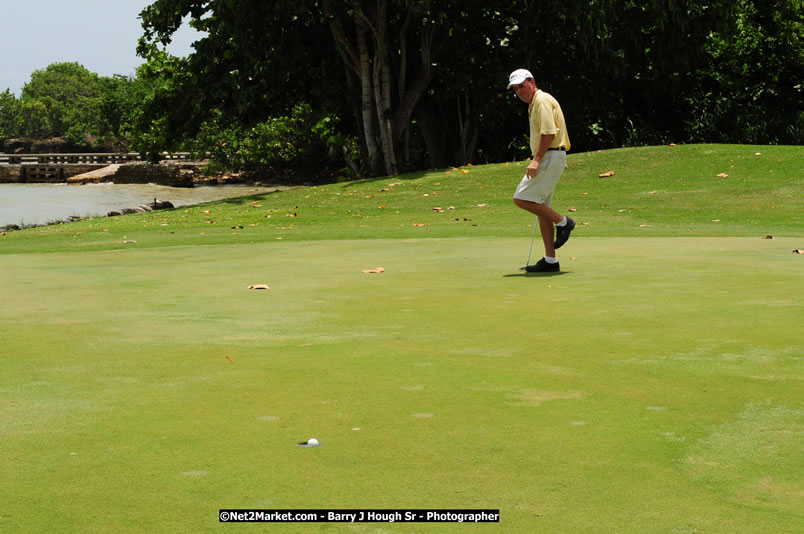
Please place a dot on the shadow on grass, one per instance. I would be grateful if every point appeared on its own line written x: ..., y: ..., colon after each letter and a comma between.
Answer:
x: 525, y: 274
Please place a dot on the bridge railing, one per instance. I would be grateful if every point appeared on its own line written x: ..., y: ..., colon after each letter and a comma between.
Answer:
x: 83, y: 159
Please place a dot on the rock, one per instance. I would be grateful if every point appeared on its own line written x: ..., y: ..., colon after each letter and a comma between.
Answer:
x: 144, y: 208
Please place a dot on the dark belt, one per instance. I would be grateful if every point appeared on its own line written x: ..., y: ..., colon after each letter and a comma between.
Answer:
x: 559, y: 148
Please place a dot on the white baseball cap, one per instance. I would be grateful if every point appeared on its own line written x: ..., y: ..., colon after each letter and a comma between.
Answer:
x: 518, y: 76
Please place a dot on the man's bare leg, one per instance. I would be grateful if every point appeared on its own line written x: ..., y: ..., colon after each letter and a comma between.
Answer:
x: 548, y: 218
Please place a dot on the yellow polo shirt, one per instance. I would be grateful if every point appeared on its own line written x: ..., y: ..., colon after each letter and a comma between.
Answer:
x: 546, y: 118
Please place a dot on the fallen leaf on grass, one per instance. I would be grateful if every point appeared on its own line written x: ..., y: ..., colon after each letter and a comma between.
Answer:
x: 258, y: 286
x: 645, y: 225
x: 573, y: 210
x: 798, y: 251
x: 722, y: 175
x: 464, y: 171
x: 290, y: 215
x: 417, y: 224
x: 439, y: 210
x: 715, y: 220
x: 205, y: 211
x: 237, y: 227
x: 377, y: 270
x: 769, y: 237
x: 606, y: 174
x: 482, y: 205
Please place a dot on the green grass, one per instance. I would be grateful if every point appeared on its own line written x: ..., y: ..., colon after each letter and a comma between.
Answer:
x: 655, y: 192
x: 653, y: 386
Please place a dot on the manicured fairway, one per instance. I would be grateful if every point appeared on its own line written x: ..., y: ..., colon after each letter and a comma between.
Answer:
x: 654, y: 386
x: 667, y: 400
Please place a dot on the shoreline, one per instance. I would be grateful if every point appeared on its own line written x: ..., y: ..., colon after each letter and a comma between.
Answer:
x: 68, y: 204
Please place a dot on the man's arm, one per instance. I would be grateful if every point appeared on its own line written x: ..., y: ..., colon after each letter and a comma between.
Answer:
x: 544, y: 144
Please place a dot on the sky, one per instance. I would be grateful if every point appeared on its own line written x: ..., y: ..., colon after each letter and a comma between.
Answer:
x: 101, y: 35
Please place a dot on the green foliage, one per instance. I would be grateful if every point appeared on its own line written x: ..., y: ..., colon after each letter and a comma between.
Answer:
x: 295, y: 140
x: 751, y: 89
x: 61, y: 100
x: 280, y: 83
x: 10, y: 115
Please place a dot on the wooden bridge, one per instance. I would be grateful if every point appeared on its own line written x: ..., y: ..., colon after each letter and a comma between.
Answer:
x: 57, y: 168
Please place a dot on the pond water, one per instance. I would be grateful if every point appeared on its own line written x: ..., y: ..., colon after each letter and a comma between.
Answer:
x: 38, y: 204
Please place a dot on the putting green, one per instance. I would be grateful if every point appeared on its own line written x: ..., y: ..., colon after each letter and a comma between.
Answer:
x: 653, y: 386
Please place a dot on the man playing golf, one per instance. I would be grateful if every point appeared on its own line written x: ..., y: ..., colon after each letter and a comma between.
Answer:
x: 549, y: 143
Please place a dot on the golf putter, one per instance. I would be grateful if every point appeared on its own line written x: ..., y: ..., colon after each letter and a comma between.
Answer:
x: 531, y: 247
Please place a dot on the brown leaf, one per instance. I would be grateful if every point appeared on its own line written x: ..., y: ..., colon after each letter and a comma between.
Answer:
x: 573, y: 210
x: 722, y: 175
x: 606, y: 174
x: 417, y: 224
x: 258, y: 286
x: 798, y: 251
x: 205, y: 211
x: 769, y: 237
x: 377, y: 270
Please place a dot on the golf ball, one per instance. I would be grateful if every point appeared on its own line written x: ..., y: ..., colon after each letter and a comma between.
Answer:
x: 312, y: 442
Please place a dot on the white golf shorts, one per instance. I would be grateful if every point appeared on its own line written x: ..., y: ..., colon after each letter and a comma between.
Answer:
x: 540, y: 188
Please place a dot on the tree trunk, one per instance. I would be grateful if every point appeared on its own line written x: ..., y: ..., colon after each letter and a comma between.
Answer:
x: 366, y: 97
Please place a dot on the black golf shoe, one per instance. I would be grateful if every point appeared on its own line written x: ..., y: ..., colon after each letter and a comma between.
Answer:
x: 563, y: 233
x: 542, y: 266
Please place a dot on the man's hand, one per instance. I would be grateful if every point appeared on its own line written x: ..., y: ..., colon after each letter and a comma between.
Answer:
x: 544, y: 144
x: 533, y: 168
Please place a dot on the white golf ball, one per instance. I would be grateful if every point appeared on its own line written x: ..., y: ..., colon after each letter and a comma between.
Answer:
x: 312, y: 442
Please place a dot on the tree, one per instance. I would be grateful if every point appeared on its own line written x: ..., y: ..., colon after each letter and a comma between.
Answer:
x: 751, y: 88
x: 422, y: 82
x: 10, y: 115
x: 59, y: 101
